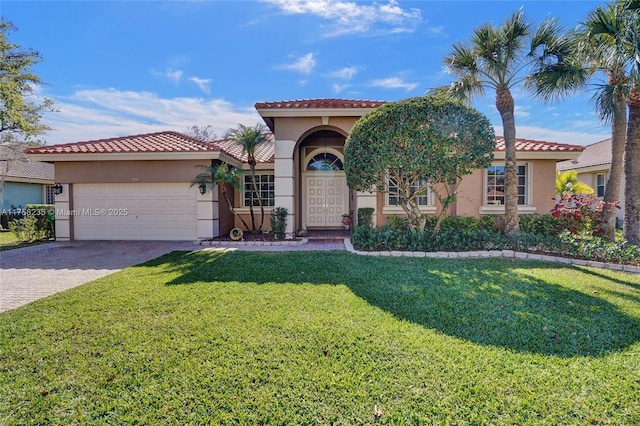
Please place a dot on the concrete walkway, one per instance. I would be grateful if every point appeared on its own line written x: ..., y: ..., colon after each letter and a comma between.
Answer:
x: 31, y: 273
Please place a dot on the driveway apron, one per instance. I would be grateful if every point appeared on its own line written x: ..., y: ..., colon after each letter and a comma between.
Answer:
x: 30, y: 273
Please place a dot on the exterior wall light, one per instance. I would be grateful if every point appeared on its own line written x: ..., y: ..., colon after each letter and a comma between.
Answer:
x: 203, y: 188
x: 57, y: 188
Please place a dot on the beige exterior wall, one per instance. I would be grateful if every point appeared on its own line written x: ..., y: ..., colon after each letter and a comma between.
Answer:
x: 471, y: 190
x: 590, y: 178
x: 127, y: 171
x: 295, y: 128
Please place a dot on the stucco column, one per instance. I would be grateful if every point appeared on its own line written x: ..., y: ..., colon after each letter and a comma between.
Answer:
x: 208, y: 214
x: 63, y: 214
x: 367, y: 199
x: 284, y: 180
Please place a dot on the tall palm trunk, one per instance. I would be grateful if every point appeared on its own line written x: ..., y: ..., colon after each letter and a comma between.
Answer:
x: 614, y: 181
x: 505, y: 105
x: 632, y: 170
x: 226, y: 198
x: 256, y: 190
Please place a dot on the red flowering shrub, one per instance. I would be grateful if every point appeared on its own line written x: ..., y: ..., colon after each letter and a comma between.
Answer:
x: 580, y: 214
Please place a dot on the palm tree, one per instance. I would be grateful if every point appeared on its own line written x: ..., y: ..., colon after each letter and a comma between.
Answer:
x: 219, y: 176
x: 568, y: 183
x: 497, y: 58
x: 596, y: 48
x: 250, y: 138
x: 611, y: 45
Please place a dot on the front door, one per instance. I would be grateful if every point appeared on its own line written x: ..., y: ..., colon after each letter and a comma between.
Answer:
x: 326, y: 199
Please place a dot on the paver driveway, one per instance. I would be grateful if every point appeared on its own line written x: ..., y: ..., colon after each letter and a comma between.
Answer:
x: 31, y: 273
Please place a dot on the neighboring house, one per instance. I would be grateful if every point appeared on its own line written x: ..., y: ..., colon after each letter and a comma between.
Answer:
x: 137, y: 187
x: 593, y: 167
x: 23, y: 181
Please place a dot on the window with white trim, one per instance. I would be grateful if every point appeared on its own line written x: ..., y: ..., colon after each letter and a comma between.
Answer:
x: 265, y: 184
x: 495, y: 181
x: 601, y: 184
x: 421, y: 200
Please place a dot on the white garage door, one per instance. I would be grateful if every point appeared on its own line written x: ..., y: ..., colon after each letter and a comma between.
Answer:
x: 135, y: 211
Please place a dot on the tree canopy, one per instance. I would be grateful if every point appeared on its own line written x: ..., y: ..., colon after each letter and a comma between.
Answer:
x: 20, y: 108
x: 418, y: 143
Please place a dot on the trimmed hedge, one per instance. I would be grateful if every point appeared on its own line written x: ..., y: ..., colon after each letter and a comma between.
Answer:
x: 479, y: 238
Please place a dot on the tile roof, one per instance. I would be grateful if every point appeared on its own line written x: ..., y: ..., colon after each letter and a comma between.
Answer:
x: 13, y: 163
x: 177, y: 142
x: 596, y: 154
x: 155, y: 143
x: 265, y: 152
x: 151, y: 142
x: 319, y: 103
x: 531, y: 145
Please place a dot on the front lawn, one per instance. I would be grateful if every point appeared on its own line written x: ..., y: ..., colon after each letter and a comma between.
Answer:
x: 9, y: 241
x: 324, y: 338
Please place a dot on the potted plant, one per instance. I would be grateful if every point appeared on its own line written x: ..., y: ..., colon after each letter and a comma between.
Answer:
x: 346, y: 219
x: 236, y: 234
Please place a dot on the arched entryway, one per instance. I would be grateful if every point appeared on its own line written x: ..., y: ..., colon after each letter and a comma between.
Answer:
x: 324, y: 191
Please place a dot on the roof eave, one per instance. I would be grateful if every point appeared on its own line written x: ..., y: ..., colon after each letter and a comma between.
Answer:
x: 540, y: 155
x: 136, y: 156
x: 313, y: 112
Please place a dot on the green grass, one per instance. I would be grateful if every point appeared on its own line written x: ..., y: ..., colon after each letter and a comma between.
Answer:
x: 322, y: 338
x: 9, y: 241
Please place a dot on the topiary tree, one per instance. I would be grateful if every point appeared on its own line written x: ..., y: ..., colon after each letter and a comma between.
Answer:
x: 416, y: 144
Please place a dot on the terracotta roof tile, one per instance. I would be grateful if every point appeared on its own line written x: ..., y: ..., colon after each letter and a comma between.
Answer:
x: 178, y: 142
x: 531, y: 145
x: 264, y: 153
x: 151, y: 142
x: 596, y: 154
x: 319, y: 103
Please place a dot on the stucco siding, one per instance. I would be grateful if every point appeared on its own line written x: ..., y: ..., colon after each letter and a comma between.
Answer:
x: 18, y: 194
x: 127, y: 171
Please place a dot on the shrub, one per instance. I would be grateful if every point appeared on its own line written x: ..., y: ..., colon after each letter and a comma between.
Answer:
x: 45, y: 215
x: 365, y: 216
x: 38, y: 223
x: 279, y: 222
x: 539, y: 224
x: 580, y: 214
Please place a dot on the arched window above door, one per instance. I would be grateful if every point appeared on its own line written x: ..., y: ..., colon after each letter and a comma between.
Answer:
x: 325, y: 161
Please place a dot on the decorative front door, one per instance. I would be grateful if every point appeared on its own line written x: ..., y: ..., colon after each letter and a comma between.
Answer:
x: 326, y: 199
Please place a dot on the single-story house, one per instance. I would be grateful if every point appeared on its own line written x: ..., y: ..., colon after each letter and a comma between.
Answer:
x: 593, y: 166
x: 23, y: 181
x: 138, y: 187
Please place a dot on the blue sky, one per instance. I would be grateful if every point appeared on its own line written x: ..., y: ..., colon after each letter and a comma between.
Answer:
x: 119, y: 68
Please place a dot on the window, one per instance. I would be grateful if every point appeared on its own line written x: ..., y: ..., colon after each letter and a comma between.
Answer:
x: 49, y: 196
x: 265, y: 184
x: 495, y: 185
x: 422, y: 200
x: 600, y: 184
x: 325, y: 161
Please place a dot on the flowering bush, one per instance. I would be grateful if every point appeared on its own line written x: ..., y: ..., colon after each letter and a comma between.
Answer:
x: 580, y: 214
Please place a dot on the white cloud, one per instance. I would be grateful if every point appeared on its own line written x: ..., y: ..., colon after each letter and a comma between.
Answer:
x: 169, y: 74
x: 104, y: 113
x: 203, y: 84
x: 349, y: 17
x: 302, y: 65
x: 346, y: 73
x: 337, y: 88
x: 394, y: 83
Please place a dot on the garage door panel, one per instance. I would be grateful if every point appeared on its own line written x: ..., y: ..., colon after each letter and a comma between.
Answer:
x: 154, y: 211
